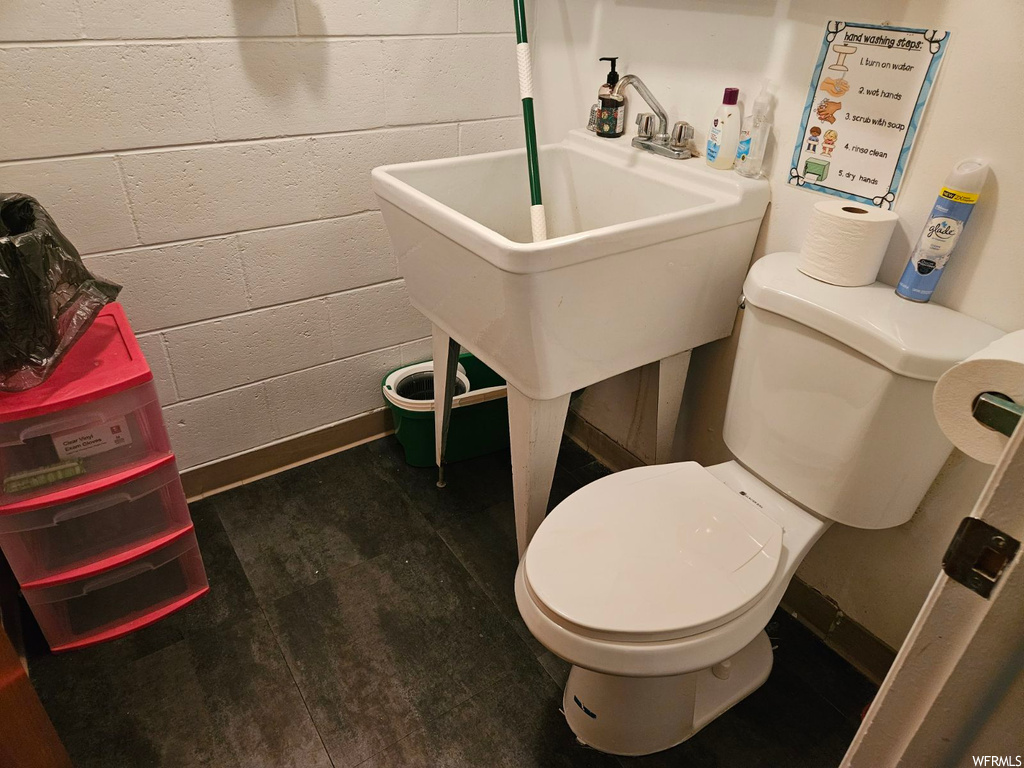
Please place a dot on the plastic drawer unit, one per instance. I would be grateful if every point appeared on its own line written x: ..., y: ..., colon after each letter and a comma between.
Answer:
x: 91, y: 527
x: 97, y: 414
x: 107, y: 605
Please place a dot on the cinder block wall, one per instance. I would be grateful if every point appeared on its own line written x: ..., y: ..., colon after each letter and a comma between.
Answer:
x: 214, y: 157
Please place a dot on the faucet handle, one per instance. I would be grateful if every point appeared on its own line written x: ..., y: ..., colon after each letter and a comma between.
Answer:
x: 682, y: 135
x: 645, y: 124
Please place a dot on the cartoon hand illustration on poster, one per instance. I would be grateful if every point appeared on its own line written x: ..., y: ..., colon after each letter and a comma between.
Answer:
x: 829, y: 142
x: 834, y: 87
x: 827, y: 110
x: 837, y: 86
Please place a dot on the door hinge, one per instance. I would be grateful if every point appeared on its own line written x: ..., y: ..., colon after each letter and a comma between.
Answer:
x: 978, y: 555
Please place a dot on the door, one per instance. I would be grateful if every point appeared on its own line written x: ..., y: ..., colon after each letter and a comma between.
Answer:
x: 955, y: 694
x: 27, y: 737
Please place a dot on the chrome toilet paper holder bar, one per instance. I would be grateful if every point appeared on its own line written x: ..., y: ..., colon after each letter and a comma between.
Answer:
x: 997, y: 412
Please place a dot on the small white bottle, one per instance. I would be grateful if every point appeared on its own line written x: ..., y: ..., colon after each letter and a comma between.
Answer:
x: 754, y: 136
x: 724, y: 135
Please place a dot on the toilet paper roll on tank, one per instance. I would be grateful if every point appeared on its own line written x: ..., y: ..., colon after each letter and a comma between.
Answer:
x: 998, y: 368
x: 846, y: 242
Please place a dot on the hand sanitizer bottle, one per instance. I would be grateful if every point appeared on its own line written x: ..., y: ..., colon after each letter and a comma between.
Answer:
x: 724, y: 135
x: 754, y: 136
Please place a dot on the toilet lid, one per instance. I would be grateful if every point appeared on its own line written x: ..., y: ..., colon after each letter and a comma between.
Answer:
x: 654, y: 553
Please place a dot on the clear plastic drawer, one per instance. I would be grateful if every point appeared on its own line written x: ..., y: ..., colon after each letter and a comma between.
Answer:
x: 122, y: 600
x: 64, y: 448
x: 93, y: 526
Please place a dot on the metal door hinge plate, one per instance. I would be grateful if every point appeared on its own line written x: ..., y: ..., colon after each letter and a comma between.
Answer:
x: 978, y: 555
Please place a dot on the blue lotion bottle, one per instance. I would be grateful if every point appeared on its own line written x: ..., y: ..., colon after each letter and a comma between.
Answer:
x: 942, y: 232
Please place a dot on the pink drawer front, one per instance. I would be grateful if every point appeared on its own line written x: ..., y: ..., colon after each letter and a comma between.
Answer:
x: 62, y: 449
x: 53, y: 539
x: 112, y: 604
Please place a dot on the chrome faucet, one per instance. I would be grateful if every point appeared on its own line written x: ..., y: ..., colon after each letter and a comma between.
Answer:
x: 656, y: 139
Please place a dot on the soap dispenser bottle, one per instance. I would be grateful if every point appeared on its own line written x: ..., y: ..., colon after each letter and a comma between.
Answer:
x: 754, y: 136
x: 611, y: 108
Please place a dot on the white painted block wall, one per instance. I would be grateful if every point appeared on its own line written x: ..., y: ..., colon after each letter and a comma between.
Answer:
x: 214, y: 156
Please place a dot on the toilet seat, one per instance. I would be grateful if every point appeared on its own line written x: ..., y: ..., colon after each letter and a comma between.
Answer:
x: 650, y: 554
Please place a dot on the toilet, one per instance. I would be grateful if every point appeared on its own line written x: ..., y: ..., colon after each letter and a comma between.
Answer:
x: 656, y: 583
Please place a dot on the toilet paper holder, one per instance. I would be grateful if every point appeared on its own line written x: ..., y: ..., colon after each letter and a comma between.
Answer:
x: 997, y: 412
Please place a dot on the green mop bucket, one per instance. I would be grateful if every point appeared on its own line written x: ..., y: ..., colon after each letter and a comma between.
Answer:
x: 474, y: 430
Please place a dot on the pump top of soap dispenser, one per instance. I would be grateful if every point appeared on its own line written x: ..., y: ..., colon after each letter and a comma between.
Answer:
x: 613, y: 76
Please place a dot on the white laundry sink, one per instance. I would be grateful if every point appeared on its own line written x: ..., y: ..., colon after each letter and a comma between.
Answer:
x: 645, y: 256
x: 645, y: 261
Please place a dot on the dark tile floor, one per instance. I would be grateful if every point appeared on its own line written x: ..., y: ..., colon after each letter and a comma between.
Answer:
x: 360, y: 616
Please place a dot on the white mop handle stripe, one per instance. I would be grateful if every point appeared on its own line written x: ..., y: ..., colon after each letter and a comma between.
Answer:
x: 525, y: 71
x: 538, y: 223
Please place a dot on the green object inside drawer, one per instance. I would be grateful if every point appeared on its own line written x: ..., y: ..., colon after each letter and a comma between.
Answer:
x: 31, y: 479
x: 475, y: 430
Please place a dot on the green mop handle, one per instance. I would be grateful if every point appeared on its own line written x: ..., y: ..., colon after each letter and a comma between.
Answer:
x: 538, y: 223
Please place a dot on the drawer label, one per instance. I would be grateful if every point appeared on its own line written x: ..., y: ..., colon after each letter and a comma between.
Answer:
x: 89, y: 441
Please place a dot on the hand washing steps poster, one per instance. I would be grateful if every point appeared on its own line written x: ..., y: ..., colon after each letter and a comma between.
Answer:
x: 864, y: 105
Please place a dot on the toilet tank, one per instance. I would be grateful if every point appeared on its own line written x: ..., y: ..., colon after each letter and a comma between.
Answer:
x: 831, y: 394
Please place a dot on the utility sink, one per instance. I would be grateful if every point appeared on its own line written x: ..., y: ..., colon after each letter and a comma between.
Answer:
x: 645, y: 260
x: 645, y: 257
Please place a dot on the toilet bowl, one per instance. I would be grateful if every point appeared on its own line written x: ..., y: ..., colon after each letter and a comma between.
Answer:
x: 728, y: 544
x: 656, y: 583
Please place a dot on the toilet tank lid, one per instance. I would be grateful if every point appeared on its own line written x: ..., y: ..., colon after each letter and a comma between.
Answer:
x: 920, y: 341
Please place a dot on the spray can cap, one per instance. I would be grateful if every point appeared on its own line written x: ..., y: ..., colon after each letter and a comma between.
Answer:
x: 968, y: 175
x: 732, y: 95
x: 613, y: 76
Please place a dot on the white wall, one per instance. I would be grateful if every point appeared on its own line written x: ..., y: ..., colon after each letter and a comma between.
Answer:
x: 688, y: 51
x: 214, y: 157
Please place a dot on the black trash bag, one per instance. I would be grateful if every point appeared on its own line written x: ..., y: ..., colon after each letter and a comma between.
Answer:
x: 48, y: 299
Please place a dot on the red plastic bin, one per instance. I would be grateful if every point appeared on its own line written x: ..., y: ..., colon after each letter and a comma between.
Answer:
x: 77, y: 532
x: 97, y: 414
x: 126, y: 598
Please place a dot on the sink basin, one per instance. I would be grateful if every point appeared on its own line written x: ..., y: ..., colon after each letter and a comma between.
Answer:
x: 645, y: 256
x: 645, y: 261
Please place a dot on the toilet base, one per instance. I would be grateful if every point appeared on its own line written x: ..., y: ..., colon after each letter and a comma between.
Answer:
x: 641, y: 715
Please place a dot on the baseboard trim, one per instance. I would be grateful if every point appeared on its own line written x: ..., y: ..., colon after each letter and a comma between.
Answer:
x: 823, y: 616
x: 598, y: 444
x: 219, y: 476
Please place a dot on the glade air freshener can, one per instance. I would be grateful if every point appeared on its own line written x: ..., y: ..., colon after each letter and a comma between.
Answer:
x: 943, y: 230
